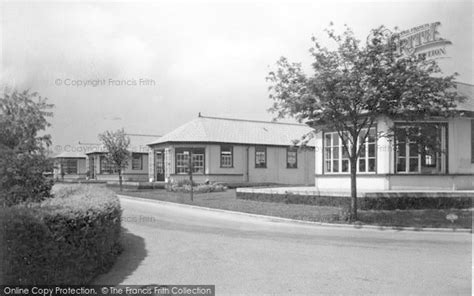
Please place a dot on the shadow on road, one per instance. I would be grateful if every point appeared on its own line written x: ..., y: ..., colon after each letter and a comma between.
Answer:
x: 134, y: 252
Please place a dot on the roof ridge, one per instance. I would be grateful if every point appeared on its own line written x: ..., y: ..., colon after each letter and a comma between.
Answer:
x: 466, y: 83
x: 251, y: 120
x: 203, y: 127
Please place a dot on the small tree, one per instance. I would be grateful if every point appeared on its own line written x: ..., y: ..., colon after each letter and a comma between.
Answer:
x: 23, y: 115
x: 354, y: 84
x: 116, y: 143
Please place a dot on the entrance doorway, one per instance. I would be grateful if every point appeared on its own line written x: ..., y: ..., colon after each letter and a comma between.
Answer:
x: 160, y: 165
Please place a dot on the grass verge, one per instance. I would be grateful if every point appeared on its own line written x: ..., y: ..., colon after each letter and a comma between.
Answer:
x: 227, y: 201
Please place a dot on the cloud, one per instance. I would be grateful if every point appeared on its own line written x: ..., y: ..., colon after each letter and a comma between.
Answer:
x: 204, y: 56
x: 82, y: 42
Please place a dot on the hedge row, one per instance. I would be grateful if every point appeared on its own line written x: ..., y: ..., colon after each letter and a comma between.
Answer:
x: 393, y: 202
x: 291, y: 198
x: 411, y: 202
x: 67, y: 240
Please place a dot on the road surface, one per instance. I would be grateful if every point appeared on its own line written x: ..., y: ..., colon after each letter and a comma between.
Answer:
x: 240, y: 255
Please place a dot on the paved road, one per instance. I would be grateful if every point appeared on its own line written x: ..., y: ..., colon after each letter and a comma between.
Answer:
x: 173, y: 244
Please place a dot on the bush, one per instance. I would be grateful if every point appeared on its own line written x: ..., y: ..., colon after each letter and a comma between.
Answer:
x: 185, y: 186
x: 68, y: 239
x: 184, y: 182
x: 22, y: 178
x: 23, y: 116
x: 205, y: 188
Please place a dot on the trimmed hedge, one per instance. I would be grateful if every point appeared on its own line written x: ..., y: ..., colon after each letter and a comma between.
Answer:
x: 291, y: 198
x: 67, y: 240
x: 408, y: 201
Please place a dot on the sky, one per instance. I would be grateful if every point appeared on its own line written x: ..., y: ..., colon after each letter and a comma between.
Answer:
x: 149, y: 67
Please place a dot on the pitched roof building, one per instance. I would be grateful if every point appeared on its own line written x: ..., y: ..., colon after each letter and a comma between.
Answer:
x: 234, y: 151
x: 237, y: 131
x: 69, y: 165
x: 99, y: 168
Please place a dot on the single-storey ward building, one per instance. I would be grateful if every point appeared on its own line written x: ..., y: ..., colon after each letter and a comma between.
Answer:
x: 69, y: 166
x: 399, y: 163
x: 99, y: 168
x: 233, y: 151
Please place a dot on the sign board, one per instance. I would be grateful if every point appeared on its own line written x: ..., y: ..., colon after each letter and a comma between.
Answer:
x: 423, y: 40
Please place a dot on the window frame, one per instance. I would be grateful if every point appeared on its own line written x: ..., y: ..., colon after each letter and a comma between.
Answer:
x: 264, y: 150
x: 66, y: 166
x: 443, y: 159
x: 231, y: 150
x: 340, y: 154
x: 288, y: 151
x: 104, y: 162
x: 195, y: 152
x: 141, y: 161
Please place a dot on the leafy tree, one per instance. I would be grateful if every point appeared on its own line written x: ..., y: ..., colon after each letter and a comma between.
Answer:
x: 116, y: 143
x: 356, y: 83
x: 23, y: 115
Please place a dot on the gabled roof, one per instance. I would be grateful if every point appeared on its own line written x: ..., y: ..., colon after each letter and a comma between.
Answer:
x: 68, y: 154
x: 138, y: 144
x: 237, y: 131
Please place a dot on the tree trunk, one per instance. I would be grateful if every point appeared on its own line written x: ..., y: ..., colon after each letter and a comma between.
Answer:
x: 120, y: 179
x: 353, y: 208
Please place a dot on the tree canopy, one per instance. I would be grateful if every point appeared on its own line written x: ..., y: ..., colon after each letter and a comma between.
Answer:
x: 23, y: 116
x: 356, y: 83
x: 117, y: 144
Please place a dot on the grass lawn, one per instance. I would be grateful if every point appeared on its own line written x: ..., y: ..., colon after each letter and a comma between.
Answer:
x: 228, y: 201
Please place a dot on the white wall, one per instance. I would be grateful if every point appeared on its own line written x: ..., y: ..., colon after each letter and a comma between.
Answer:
x: 459, y: 162
x: 318, y: 139
x: 459, y: 147
x: 384, y: 150
x: 343, y: 183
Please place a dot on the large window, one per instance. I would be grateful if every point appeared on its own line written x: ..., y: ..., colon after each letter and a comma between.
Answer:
x: 69, y: 166
x: 336, y: 158
x: 106, y: 166
x: 420, y: 148
x: 137, y: 161
x: 260, y: 157
x: 292, y: 158
x: 182, y: 160
x: 227, y: 160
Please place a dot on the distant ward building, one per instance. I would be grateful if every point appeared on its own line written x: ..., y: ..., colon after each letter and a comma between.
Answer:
x: 233, y: 151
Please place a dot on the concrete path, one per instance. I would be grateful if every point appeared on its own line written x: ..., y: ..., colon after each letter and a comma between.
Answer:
x: 175, y: 244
